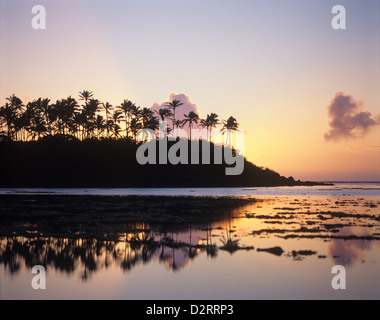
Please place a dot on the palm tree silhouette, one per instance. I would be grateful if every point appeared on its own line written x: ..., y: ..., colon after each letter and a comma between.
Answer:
x: 21, y: 125
x: 39, y: 126
x: 9, y: 115
x: 178, y: 124
x: 107, y: 107
x: 15, y: 102
x: 135, y: 127
x: 38, y: 118
x: 65, y: 110
x: 229, y: 125
x: 149, y: 121
x: 210, y: 122
x: 100, y: 125
x: 90, y: 110
x: 85, y: 95
x: 79, y: 123
x: 164, y: 113
x: 47, y: 111
x: 213, y: 120
x: 127, y: 107
x: 136, y: 112
x: 190, y: 118
x: 146, y: 116
x: 116, y: 119
x: 174, y: 105
x: 2, y: 124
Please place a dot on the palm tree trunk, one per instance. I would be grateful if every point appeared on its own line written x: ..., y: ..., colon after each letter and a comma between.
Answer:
x: 174, y: 119
x: 126, y: 124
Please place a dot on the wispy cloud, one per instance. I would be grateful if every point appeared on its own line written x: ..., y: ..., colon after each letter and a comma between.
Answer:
x: 347, y: 118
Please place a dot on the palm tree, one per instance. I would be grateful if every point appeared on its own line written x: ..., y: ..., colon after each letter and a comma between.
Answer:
x: 213, y: 120
x: 107, y: 107
x: 136, y: 112
x: 127, y: 107
x: 190, y: 118
x: 15, y: 102
x: 178, y: 124
x: 164, y: 113
x: 109, y: 126
x: 148, y: 119
x: 71, y: 106
x: 79, y: 123
x: 229, y: 125
x: 21, y: 124
x: 135, y: 127
x: 174, y: 105
x: 146, y: 116
x: 39, y: 117
x: 25, y: 123
x: 9, y: 115
x: 90, y: 110
x: 65, y: 111
x: 205, y: 124
x: 2, y: 123
x: 116, y: 119
x: 38, y: 126
x: 210, y: 122
x: 152, y: 124
x: 36, y: 120
x: 46, y: 109
x: 116, y: 130
x: 100, y: 125
x: 85, y: 95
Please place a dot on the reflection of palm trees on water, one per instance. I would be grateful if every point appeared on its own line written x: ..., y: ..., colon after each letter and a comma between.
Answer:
x: 69, y: 255
x: 211, y: 248
x: 192, y: 253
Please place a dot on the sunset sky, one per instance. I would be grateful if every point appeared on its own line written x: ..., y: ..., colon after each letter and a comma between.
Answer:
x: 277, y: 66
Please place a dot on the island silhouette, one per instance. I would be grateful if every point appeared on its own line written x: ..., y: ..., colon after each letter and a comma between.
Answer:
x: 93, y: 144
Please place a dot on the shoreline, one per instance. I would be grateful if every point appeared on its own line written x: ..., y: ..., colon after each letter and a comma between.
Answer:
x: 164, y: 186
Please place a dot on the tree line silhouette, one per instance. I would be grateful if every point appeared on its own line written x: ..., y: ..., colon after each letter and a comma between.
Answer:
x: 76, y: 139
x: 94, y: 119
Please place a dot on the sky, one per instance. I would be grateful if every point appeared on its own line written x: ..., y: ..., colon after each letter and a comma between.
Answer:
x: 306, y: 95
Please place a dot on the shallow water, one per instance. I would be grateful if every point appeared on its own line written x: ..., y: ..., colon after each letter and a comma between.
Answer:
x: 306, y: 234
x: 337, y: 189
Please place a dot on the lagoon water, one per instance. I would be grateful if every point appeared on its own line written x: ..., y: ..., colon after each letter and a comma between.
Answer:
x: 336, y: 189
x: 287, y: 243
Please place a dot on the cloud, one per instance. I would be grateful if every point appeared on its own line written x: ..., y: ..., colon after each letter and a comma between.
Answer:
x: 347, y: 120
x: 348, y: 253
x: 187, y: 106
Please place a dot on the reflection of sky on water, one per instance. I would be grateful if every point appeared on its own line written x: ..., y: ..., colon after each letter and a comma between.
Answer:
x: 194, y: 266
x: 348, y: 253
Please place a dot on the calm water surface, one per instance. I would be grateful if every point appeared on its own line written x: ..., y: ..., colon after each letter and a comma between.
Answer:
x: 282, y: 247
x: 338, y: 189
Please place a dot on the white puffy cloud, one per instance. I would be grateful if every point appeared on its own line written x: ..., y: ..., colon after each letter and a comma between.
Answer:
x: 186, y: 108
